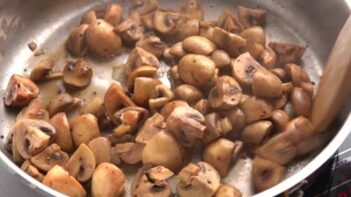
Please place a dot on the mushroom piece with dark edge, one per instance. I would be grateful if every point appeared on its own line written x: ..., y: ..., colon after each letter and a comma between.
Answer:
x: 113, y: 14
x: 192, y: 9
x: 266, y: 85
x: 287, y: 53
x: 233, y: 44
x: 154, y: 124
x: 51, y: 156
x: 142, y: 90
x: 31, y: 170
x: 131, y: 153
x: 63, y: 136
x: 244, y: 68
x: 84, y: 128
x: 160, y: 96
x: 142, y: 71
x: 101, y: 147
x: 34, y: 110
x: 20, y: 91
x: 131, y: 29
x: 188, y: 93
x: 76, y: 43
x: 256, y: 132
x: 251, y: 17
x: 256, y: 109
x: 129, y: 118
x: 43, y: 71
x: 198, y: 45
x: 63, y: 102
x: 139, y: 57
x: 153, y: 45
x: 169, y: 107
x: 77, y: 74
x: 216, y: 126
x: 166, y: 22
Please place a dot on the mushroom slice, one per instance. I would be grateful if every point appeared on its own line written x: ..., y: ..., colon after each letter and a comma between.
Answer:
x: 84, y: 128
x: 266, y: 174
x: 296, y: 74
x: 266, y: 85
x: 101, y: 147
x: 82, y: 163
x: 33, y: 111
x: 256, y: 109
x: 129, y: 119
x: 144, y: 6
x: 132, y: 153
x: 31, y: 170
x: 20, y: 91
x: 236, y: 117
x: 43, y: 71
x: 89, y: 17
x: 228, y: 22
x: 131, y: 29
x: 256, y: 132
x: 188, y: 93
x: 226, y: 190
x: 149, y: 182
x: 77, y: 74
x: 287, y: 53
x: 198, y: 45
x: 64, y: 102
x: 142, y: 89
x: 51, y: 156
x: 102, y: 41
x: 244, y: 68
x: 268, y: 58
x: 60, y: 180
x: 216, y: 126
x: 154, y: 124
x: 115, y: 99
x: 160, y: 96
x: 233, y: 44
x: 166, y: 22
x: 153, y: 45
x: 226, y: 93
x: 280, y: 119
x: 220, y: 58
x: 199, y: 179
x: 32, y: 136
x: 162, y: 149
x: 142, y: 71
x: 76, y: 43
x: 95, y: 106
x: 203, y: 106
x: 196, y: 69
x: 187, y: 125
x: 140, y: 57
x: 219, y: 154
x: 251, y: 17
x: 108, y: 180
x: 301, y: 102
x: 63, y: 136
x: 193, y: 9
x: 113, y: 14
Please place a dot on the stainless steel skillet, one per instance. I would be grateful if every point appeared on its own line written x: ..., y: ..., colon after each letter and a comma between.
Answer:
x: 312, y: 23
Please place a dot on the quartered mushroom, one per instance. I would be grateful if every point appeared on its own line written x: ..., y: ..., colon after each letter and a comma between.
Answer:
x: 82, y: 163
x: 244, y: 68
x: 280, y: 119
x: 219, y: 154
x: 32, y: 136
x: 196, y: 69
x: 162, y: 149
x: 102, y: 41
x: 225, y: 94
x: 188, y: 93
x: 131, y: 29
x: 187, y: 27
x: 152, y: 181
x: 101, y: 147
x: 84, y: 128
x: 108, y: 180
x: 187, y: 125
x: 77, y: 74
x: 266, y: 85
x: 20, y: 91
x: 256, y: 109
x: 268, y: 58
x: 142, y: 89
x: 199, y: 179
x: 130, y: 153
x: 34, y: 110
x: 266, y: 174
x: 154, y: 124
x: 177, y: 50
x: 169, y: 107
x: 233, y: 44
x: 129, y: 118
x: 237, y: 118
x: 216, y: 126
x: 113, y: 14
x: 139, y: 57
x: 31, y: 170
x: 166, y: 22
x: 160, y: 96
x: 255, y: 40
x: 228, y: 22
x: 301, y: 102
x: 88, y: 17
x: 220, y: 58
x: 43, y: 71
x: 153, y: 45
x: 251, y: 17
x: 63, y: 102
x: 51, y: 156
x: 226, y: 190
x: 142, y: 71
x: 256, y: 132
x: 296, y: 74
x: 95, y: 106
x: 76, y: 43
x: 203, y: 106
x: 287, y: 53
x: 198, y: 45
x: 60, y: 180
x: 192, y: 9
x: 63, y: 136
x: 144, y: 6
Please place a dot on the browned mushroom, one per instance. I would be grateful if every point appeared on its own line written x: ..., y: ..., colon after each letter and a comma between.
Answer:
x: 250, y: 17
x: 220, y: 58
x: 140, y: 57
x: 226, y: 190
x: 166, y: 22
x: 144, y: 6
x: 51, y: 156
x: 43, y: 71
x: 76, y: 43
x: 101, y: 147
x: 193, y: 9
x: 216, y: 126
x: 308, y: 87
x: 279, y: 103
x: 142, y: 90
x: 236, y: 117
x: 169, y: 107
x: 33, y: 171
x: 33, y: 111
x: 296, y: 74
x: 142, y: 71
x: 129, y: 118
x: 153, y: 45
x: 268, y: 58
x: 84, y: 128
x: 177, y: 50
x: 199, y: 179
x: 60, y: 180
x: 187, y: 125
x: 256, y: 132
x: 20, y: 91
x: 233, y: 44
x: 188, y: 93
x: 152, y: 125
x: 63, y: 102
x: 301, y: 102
x: 255, y: 40
x: 160, y: 96
x: 162, y: 149
x: 89, y: 17
x: 228, y: 22
x: 148, y: 20
x: 244, y: 68
x: 225, y: 94
x: 12, y: 147
x: 280, y: 119
x: 82, y: 163
x: 130, y: 153
x: 198, y: 45
x: 113, y: 14
x: 95, y: 106
x: 102, y: 41
x: 77, y: 74
x: 256, y: 109
x: 203, y: 106
x: 279, y: 72
x: 266, y: 174
x: 108, y: 180
x: 131, y: 29
x: 266, y: 85
x: 287, y: 53
x: 63, y: 135
x: 187, y: 27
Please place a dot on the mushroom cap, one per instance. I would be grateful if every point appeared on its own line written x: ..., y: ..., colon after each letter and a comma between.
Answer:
x: 266, y: 85
x: 131, y: 29
x: 40, y: 70
x: 256, y: 132
x: 132, y: 153
x: 301, y: 102
x: 33, y: 111
x: 226, y: 190
x: 166, y: 22
x: 233, y: 44
x: 84, y: 128
x: 140, y: 57
x: 143, y: 87
x: 89, y: 17
x: 198, y: 45
x: 129, y: 118
x: 169, y: 107
x: 296, y: 74
x: 153, y: 45
x: 244, y: 67
x: 101, y: 147
x: 220, y: 58
x: 60, y: 103
x: 51, y: 156
x: 188, y: 93
x: 154, y: 124
x: 256, y: 109
x: 113, y: 14
x: 77, y: 74
x: 63, y: 136
x: 20, y: 91
x: 76, y: 43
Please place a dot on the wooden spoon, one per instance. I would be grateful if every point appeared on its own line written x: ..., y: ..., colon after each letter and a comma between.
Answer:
x: 335, y: 82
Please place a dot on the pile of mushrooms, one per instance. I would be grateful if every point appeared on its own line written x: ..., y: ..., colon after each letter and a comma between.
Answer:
x: 229, y: 98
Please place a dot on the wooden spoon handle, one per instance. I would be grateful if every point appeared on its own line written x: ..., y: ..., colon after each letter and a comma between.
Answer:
x: 335, y: 82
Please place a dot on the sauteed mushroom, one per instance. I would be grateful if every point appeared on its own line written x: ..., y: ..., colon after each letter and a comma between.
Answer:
x: 296, y: 74
x: 89, y: 17
x: 177, y: 50
x: 225, y: 94
x: 268, y: 58
x: 51, y: 156
x: 233, y: 44
x: 129, y: 119
x: 256, y: 109
x: 142, y: 89
x: 301, y: 102
x: 113, y: 14
x: 142, y: 71
x: 60, y: 180
x: 33, y: 111
x: 82, y: 163
x: 255, y: 40
x: 256, y: 132
x: 144, y: 6
x: 63, y: 135
x: 199, y: 179
x: 43, y: 71
x: 33, y: 171
x: 203, y: 106
x: 279, y: 72
x: 237, y: 118
x: 193, y: 9
x: 187, y: 27
x: 160, y: 96
x: 226, y: 190
x: 198, y: 45
x: 220, y: 58
x: 95, y: 106
x: 228, y: 22
x: 152, y: 125
x: 216, y: 126
x: 280, y: 119
x: 76, y: 43
x: 188, y: 93
x: 108, y: 180
x: 131, y: 29
x: 130, y: 153
x: 166, y: 22
x: 20, y: 91
x: 84, y: 128
x: 153, y: 45
x: 101, y: 147
x: 287, y: 53
x: 244, y: 68
x: 169, y: 107
x: 251, y: 17
x: 77, y: 74
x: 62, y: 103
x: 140, y: 57
x: 266, y: 85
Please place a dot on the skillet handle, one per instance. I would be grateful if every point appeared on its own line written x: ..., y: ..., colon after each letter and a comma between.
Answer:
x: 335, y: 82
